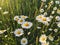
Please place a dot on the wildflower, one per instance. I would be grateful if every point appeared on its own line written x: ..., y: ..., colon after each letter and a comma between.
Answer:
x: 27, y: 25
x: 50, y: 29
x: 39, y: 17
x: 29, y: 33
x: 38, y: 27
x: 18, y: 32
x: 6, y: 35
x: 41, y: 10
x: 55, y: 8
x: 0, y: 8
x: 47, y: 43
x: 24, y: 41
x: 43, y: 38
x: 53, y: 12
x: 43, y: 0
x: 51, y: 16
x: 45, y: 20
x: 58, y: 24
x: 45, y: 13
x: 57, y: 18
x: 6, y: 12
x: 21, y: 21
x: 52, y: 2
x: 50, y: 38
x: 16, y: 18
x: 45, y: 6
x: 2, y: 31
x: 55, y: 30
x: 23, y: 17
x: 58, y: 11
x: 57, y: 2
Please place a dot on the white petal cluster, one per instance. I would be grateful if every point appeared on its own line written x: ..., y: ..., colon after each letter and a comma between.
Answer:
x: 24, y: 41
x: 18, y: 32
x: 43, y: 19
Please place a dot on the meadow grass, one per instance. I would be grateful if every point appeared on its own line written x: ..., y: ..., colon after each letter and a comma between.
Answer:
x: 30, y: 8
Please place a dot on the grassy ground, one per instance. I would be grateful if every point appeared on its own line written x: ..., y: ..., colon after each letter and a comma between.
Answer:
x: 29, y: 8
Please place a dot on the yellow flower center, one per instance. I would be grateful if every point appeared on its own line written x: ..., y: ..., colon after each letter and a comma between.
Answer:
x: 18, y: 32
x: 21, y: 20
x: 43, y: 39
x: 24, y: 41
x: 17, y: 19
x: 44, y: 19
x: 26, y: 24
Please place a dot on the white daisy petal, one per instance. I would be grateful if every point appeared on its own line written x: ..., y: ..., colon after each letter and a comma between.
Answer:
x: 58, y: 24
x: 21, y: 21
x: 47, y: 43
x: 23, y: 17
x: 50, y: 38
x: 43, y: 0
x: 24, y: 41
x: 57, y: 18
x: 18, y: 32
x: 16, y: 18
x: 2, y: 31
x: 43, y: 38
x: 27, y: 25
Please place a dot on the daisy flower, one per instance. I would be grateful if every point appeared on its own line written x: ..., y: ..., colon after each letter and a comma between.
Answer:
x: 43, y: 38
x: 2, y: 31
x: 43, y: 0
x: 21, y: 21
x: 24, y: 41
x: 58, y: 24
x: 46, y: 6
x: 53, y: 12
x: 47, y: 43
x: 38, y: 27
x: 6, y: 12
x: 45, y: 20
x: 50, y: 38
x: 6, y: 36
x: 58, y: 11
x: 57, y: 18
x: 55, y: 8
x: 50, y: 29
x: 41, y: 10
x: 39, y: 17
x: 0, y: 8
x: 16, y: 18
x: 51, y: 16
x: 45, y: 13
x: 29, y: 33
x: 57, y: 2
x: 18, y: 32
x: 27, y: 25
x: 23, y: 17
x: 52, y: 2
x: 55, y: 30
